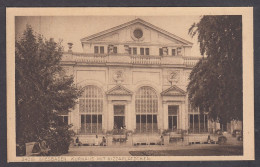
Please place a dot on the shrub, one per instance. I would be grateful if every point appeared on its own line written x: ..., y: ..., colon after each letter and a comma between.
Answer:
x: 59, y: 139
x: 219, y: 132
x: 222, y: 140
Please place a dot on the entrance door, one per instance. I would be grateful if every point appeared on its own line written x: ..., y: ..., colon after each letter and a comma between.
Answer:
x: 119, y: 121
x: 173, y: 117
x: 119, y: 116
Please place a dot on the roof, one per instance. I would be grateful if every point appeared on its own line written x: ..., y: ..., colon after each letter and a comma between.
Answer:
x: 119, y: 90
x: 138, y: 20
x: 173, y: 91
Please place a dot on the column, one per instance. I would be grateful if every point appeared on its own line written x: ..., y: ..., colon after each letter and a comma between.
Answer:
x: 186, y: 114
x: 183, y: 115
x: 110, y: 115
x: 105, y: 116
x: 75, y: 118
x: 126, y: 116
x: 165, y: 115
x: 129, y: 116
x: 160, y: 115
x: 132, y: 114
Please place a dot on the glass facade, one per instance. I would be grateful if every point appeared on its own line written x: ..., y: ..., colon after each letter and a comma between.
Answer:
x: 198, y: 122
x: 91, y: 109
x: 146, y: 108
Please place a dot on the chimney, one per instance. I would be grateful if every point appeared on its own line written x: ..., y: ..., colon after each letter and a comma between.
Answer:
x: 70, y: 47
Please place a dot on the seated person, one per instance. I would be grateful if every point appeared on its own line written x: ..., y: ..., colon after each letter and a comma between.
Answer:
x: 104, y: 141
x: 44, y: 148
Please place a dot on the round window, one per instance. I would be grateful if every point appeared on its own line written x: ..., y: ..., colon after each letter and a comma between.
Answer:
x: 138, y: 33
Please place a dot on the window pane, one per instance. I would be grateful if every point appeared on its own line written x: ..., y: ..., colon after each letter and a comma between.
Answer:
x: 206, y: 123
x: 170, y: 122
x: 149, y: 119
x: 96, y: 49
x: 147, y: 51
x: 173, y: 52
x: 88, y: 118
x: 83, y: 124
x: 141, y: 51
x: 94, y: 119
x: 174, y: 120
x: 196, y: 123
x: 154, y: 118
x: 160, y: 52
x: 115, y: 49
x: 102, y: 49
x: 173, y: 110
x: 99, y: 118
x: 203, y: 123
x: 66, y: 121
x: 138, y: 119
x: 149, y: 123
x: 191, y: 121
x: 178, y: 51
x: 135, y: 51
x: 119, y: 110
x: 143, y: 118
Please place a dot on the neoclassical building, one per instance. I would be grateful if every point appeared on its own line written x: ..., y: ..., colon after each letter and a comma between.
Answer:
x: 134, y: 76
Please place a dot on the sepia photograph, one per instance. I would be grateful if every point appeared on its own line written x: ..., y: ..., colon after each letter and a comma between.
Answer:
x: 130, y: 87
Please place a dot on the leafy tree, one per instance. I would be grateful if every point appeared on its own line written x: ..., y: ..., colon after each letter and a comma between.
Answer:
x: 216, y: 81
x: 42, y: 89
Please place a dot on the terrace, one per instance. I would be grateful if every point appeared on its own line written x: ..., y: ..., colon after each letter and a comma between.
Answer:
x: 128, y: 59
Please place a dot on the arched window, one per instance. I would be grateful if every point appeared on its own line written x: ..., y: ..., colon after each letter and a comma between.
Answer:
x: 146, y: 108
x: 91, y: 109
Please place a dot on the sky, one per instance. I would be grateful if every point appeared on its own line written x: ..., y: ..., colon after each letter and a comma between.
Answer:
x: 74, y: 28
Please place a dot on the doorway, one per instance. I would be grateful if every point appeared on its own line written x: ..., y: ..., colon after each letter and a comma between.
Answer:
x: 173, y: 117
x: 119, y: 116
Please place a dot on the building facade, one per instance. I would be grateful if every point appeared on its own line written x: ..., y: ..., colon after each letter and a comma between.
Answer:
x: 133, y: 76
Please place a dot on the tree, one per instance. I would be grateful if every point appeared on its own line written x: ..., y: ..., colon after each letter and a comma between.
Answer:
x: 42, y: 89
x: 216, y: 80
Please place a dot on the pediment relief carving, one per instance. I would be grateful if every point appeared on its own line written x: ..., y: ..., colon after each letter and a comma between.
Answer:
x: 173, y: 91
x: 138, y: 28
x: 119, y: 90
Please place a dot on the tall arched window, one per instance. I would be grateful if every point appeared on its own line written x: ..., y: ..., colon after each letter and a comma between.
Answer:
x: 146, y: 108
x: 91, y: 109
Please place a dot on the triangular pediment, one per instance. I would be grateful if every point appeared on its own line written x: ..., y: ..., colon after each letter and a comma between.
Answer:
x: 173, y: 91
x: 119, y: 90
x: 120, y: 32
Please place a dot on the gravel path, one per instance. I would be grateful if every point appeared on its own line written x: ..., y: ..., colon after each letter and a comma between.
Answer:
x: 153, y: 150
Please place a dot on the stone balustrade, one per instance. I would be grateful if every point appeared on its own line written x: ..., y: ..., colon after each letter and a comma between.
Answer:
x: 191, y: 61
x: 129, y: 59
x: 145, y: 60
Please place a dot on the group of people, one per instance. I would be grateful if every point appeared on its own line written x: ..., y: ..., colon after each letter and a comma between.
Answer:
x: 122, y: 127
x: 103, y: 143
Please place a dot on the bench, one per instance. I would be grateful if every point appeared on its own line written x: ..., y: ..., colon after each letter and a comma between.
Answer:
x: 146, y: 140
x: 90, y: 140
x: 201, y: 139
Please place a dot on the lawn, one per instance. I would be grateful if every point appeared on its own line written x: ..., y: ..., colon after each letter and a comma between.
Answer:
x: 205, y: 151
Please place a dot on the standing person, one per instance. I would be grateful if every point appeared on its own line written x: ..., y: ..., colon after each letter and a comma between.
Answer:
x: 162, y: 140
x: 104, y: 141
x: 96, y: 140
x: 77, y: 141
